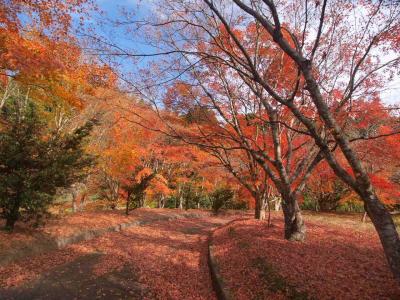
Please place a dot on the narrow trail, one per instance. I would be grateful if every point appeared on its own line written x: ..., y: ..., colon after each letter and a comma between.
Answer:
x: 161, y: 260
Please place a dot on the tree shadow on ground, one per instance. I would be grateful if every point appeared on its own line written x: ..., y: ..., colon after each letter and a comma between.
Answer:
x: 74, y: 280
x: 159, y: 259
x: 333, y: 262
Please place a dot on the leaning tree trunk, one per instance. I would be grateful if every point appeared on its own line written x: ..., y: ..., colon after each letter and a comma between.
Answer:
x: 295, y: 229
x: 385, y: 227
x: 377, y: 212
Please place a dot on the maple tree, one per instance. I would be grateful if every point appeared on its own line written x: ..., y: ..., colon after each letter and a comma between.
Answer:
x: 41, y: 55
x: 359, y: 73
x: 265, y: 135
x: 237, y: 104
x: 141, y: 165
x: 332, y: 64
x: 380, y: 156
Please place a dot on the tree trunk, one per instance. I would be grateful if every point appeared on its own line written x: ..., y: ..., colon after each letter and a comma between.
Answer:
x: 262, y: 215
x: 277, y: 203
x: 160, y: 202
x: 269, y: 213
x: 12, y: 217
x: 143, y: 204
x: 295, y: 229
x: 82, y: 203
x: 140, y: 200
x: 181, y: 202
x: 74, y: 205
x: 377, y: 212
x: 364, y: 217
x: 186, y: 203
x: 10, y: 222
x: 259, y: 211
x: 386, y: 229
x: 74, y: 196
x: 127, y: 203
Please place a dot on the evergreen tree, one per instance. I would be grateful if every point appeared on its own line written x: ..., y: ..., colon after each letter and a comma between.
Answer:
x: 35, y: 161
x: 220, y: 198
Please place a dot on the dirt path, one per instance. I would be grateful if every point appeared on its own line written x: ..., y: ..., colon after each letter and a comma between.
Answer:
x: 161, y: 260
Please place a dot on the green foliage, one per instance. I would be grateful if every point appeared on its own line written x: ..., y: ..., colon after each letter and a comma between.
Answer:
x: 325, y: 198
x: 237, y: 204
x: 309, y: 203
x: 221, y: 198
x: 351, y: 206
x: 170, y: 202
x: 194, y: 197
x: 205, y: 201
x: 35, y: 161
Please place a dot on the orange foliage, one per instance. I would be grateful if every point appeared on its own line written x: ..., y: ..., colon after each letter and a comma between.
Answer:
x: 38, y: 53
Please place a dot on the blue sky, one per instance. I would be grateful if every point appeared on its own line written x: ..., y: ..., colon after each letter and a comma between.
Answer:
x: 139, y: 9
x: 101, y: 24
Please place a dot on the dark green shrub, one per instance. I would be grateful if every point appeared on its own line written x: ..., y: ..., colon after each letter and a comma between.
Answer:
x: 221, y: 198
x: 35, y: 161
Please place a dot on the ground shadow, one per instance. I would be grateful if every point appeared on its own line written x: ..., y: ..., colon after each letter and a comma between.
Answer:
x: 74, y: 280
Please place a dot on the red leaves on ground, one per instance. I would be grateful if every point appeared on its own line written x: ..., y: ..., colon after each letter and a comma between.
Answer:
x: 75, y: 223
x: 169, y: 257
x: 335, y: 262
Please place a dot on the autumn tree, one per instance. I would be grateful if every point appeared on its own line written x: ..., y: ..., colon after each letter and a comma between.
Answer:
x: 334, y: 49
x: 313, y: 56
x: 367, y: 119
x: 137, y: 164
x: 266, y: 135
x: 40, y: 53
